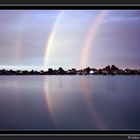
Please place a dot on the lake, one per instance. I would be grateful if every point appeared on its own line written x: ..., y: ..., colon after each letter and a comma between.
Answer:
x: 70, y: 102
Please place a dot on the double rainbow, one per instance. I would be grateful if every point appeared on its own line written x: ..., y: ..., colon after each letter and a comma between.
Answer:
x: 88, y: 41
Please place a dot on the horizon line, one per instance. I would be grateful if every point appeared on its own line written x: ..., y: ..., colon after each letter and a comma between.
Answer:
x: 41, y: 69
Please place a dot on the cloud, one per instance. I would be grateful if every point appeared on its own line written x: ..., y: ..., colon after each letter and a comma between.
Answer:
x: 24, y: 34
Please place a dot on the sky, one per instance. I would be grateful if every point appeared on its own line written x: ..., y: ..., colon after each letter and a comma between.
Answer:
x: 42, y: 39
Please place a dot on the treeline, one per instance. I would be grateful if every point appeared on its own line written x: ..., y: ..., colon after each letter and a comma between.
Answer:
x: 108, y: 70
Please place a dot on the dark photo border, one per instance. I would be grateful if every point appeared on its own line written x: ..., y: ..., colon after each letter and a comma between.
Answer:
x: 42, y: 133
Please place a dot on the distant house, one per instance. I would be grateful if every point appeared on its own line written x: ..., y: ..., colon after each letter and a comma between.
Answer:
x: 91, y: 72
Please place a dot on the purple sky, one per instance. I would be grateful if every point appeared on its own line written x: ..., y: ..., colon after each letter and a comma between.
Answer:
x: 25, y: 33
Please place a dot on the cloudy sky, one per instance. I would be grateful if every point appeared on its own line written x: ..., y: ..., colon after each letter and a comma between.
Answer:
x: 25, y: 38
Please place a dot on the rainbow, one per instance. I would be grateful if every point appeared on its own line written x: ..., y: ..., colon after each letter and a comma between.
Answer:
x: 91, y: 108
x: 91, y: 37
x: 47, y: 53
x: 48, y: 100
x: 18, y: 43
x: 51, y: 38
x: 87, y: 45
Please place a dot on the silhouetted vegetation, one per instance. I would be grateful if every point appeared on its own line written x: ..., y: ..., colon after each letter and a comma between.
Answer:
x: 108, y: 70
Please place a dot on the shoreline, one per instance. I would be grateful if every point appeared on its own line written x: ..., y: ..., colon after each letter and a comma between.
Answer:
x: 108, y: 70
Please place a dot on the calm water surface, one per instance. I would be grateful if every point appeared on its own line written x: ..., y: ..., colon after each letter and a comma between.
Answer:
x: 70, y: 102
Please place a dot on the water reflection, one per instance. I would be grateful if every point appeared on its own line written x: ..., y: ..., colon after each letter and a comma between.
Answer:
x: 17, y: 97
x: 92, y: 110
x: 56, y: 102
x: 48, y: 99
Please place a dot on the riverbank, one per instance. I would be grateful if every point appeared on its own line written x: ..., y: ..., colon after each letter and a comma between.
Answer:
x: 108, y: 70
